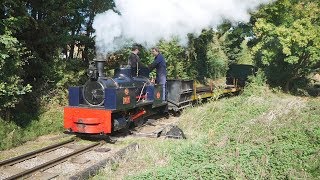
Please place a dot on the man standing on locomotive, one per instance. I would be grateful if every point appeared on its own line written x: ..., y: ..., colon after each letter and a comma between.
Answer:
x: 160, y: 64
x: 134, y: 61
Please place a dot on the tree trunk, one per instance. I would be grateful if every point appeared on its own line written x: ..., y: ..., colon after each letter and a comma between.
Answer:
x: 85, y: 56
x: 288, y: 83
x: 287, y: 86
x: 7, y: 115
x: 71, y: 51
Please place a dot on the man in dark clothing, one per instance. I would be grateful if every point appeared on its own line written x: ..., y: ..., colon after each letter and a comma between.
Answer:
x: 134, y: 61
x: 159, y: 64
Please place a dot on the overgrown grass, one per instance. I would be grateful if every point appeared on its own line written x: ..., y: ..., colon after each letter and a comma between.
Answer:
x: 48, y: 122
x: 258, y: 135
x: 288, y: 147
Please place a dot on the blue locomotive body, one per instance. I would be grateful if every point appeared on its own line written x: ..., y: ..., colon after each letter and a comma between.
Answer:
x: 123, y: 98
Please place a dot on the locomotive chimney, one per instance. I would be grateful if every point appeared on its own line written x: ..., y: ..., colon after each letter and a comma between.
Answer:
x: 100, y: 62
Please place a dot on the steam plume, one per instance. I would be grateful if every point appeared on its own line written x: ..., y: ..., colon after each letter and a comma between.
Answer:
x: 148, y: 21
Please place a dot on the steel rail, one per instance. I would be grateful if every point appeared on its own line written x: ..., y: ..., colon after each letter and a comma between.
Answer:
x: 32, y: 154
x: 52, y: 162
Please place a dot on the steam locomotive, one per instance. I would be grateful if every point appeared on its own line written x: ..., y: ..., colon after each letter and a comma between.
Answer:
x: 104, y: 105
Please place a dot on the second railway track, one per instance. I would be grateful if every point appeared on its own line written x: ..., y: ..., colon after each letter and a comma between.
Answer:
x: 59, y: 161
x: 17, y: 159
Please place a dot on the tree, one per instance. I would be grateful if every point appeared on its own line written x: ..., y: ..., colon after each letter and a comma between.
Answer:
x: 12, y: 58
x: 175, y: 57
x: 33, y: 36
x: 245, y: 56
x: 89, y: 9
x: 205, y: 56
x: 233, y: 36
x: 217, y: 60
x: 287, y: 40
x: 197, y: 55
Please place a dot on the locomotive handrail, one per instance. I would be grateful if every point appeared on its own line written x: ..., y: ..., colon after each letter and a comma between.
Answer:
x: 117, y: 85
x: 144, y: 84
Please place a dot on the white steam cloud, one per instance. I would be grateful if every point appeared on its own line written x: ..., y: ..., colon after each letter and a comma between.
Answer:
x: 148, y: 21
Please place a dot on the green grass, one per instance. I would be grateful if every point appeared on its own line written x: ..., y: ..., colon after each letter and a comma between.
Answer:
x: 231, y: 144
x: 257, y: 135
x: 48, y: 122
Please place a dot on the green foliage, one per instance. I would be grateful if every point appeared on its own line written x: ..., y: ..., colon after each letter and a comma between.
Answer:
x: 34, y: 35
x: 217, y: 59
x: 205, y: 56
x: 256, y: 84
x: 175, y: 59
x: 59, y: 76
x: 288, y: 40
x: 245, y: 56
x: 234, y: 37
x: 29, y: 120
x: 198, y: 54
x: 13, y: 57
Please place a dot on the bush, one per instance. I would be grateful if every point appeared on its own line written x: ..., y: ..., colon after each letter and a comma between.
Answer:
x: 256, y: 84
x: 12, y: 58
x: 41, y: 111
x: 13, y: 134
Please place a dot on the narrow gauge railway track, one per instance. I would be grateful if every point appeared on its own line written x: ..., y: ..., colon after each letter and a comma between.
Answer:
x: 6, y: 164
x: 18, y: 159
